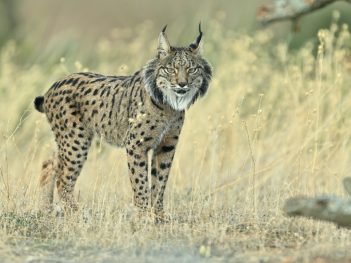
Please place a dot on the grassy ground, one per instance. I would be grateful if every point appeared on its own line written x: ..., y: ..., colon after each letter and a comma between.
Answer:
x: 275, y: 124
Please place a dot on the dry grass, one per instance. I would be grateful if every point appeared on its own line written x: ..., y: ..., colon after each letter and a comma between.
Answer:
x: 275, y: 124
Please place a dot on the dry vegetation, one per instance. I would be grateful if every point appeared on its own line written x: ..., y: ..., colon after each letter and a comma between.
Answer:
x: 275, y: 124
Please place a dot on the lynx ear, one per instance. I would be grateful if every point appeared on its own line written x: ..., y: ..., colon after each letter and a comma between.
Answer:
x: 163, y: 47
x: 196, y: 47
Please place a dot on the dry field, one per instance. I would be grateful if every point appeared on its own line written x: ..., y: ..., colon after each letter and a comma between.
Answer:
x: 275, y: 124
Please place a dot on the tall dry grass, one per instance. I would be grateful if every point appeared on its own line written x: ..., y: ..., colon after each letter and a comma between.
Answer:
x: 274, y: 124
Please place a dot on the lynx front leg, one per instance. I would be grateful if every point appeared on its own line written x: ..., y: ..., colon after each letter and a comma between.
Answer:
x: 161, y: 165
x: 137, y: 165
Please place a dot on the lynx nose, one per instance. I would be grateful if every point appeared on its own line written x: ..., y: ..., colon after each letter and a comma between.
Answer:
x: 182, y: 84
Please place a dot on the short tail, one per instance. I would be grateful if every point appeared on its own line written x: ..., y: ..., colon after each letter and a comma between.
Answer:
x: 38, y: 104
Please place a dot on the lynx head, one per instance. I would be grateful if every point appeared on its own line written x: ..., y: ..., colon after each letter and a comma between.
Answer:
x: 178, y: 76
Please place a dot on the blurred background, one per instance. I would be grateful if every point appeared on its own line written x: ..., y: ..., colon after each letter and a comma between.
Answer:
x: 274, y: 124
x: 75, y: 26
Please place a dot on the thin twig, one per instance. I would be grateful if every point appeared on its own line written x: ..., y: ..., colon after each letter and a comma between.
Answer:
x: 253, y: 167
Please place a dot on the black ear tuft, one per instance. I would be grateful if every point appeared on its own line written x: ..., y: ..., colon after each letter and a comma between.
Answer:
x: 195, y: 45
x: 198, y: 39
x: 164, y: 29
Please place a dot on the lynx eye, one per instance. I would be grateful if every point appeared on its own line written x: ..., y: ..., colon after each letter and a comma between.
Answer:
x: 170, y: 70
x: 192, y: 70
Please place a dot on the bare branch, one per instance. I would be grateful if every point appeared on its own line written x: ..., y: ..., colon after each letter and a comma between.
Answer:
x: 327, y: 208
x: 290, y: 9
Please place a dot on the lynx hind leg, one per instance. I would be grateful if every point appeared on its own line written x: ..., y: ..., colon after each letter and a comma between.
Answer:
x: 47, y: 184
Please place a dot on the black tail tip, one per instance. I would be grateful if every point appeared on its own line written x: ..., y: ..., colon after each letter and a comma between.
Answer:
x: 38, y: 103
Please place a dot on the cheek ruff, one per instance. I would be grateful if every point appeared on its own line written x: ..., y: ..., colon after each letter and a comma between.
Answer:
x: 177, y: 101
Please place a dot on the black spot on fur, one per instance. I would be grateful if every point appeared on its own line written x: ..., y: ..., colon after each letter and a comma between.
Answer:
x: 81, y: 83
x: 164, y: 166
x: 98, y: 80
x: 167, y: 148
x: 87, y: 92
x: 153, y: 171
x: 74, y: 82
x: 94, y: 112
x: 69, y: 81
